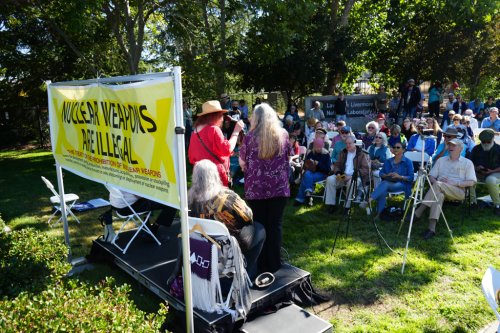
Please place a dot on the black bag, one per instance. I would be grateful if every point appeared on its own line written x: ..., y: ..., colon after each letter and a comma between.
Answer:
x: 391, y: 214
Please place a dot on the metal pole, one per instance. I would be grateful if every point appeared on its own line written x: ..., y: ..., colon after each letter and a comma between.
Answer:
x: 182, y: 181
x: 60, y: 185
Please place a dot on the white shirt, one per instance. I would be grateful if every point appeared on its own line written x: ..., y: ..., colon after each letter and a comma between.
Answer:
x: 117, y: 202
x: 349, y: 163
x: 457, y: 171
x: 473, y: 123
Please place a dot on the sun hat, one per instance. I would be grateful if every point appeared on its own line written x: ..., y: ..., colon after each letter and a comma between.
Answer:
x: 451, y: 131
x: 211, y: 107
x: 456, y: 142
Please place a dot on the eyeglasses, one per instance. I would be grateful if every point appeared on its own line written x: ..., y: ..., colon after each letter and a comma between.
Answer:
x: 342, y: 132
x: 371, y: 127
x: 456, y: 119
x: 448, y: 136
x: 378, y: 137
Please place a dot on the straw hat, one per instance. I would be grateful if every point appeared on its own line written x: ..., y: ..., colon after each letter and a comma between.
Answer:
x: 210, y: 107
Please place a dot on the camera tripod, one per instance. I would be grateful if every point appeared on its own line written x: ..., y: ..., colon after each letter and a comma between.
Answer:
x: 417, y: 196
x: 347, y: 214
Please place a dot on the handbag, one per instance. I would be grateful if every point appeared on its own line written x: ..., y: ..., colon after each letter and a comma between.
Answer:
x: 229, y: 178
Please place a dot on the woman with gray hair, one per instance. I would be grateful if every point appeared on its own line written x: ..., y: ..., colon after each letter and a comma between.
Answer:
x: 379, y: 153
x: 209, y: 199
x: 264, y: 160
x: 372, y: 128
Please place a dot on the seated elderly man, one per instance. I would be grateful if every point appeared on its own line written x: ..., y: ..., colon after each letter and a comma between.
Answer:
x: 492, y: 121
x: 350, y: 160
x: 442, y: 149
x: 486, y: 159
x: 449, y: 176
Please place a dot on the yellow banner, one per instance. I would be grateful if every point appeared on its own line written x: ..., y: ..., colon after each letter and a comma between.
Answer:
x: 118, y: 134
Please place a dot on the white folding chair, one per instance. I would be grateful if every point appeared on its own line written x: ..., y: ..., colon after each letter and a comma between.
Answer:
x: 212, y: 228
x: 69, y: 200
x: 491, y: 289
x: 416, y: 157
x: 135, y: 217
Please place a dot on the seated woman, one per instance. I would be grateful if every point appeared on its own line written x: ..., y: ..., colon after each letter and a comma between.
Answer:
x: 396, y: 136
x: 371, y: 131
x: 379, y: 153
x: 408, y: 129
x: 209, y: 199
x: 396, y: 174
x: 317, y: 166
x: 436, y: 129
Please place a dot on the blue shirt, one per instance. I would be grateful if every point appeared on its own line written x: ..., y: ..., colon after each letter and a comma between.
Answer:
x: 403, y: 168
x: 430, y: 144
x: 440, y: 148
x: 487, y: 123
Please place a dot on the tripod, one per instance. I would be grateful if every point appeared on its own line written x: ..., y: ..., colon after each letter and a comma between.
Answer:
x: 417, y: 198
x: 350, y: 196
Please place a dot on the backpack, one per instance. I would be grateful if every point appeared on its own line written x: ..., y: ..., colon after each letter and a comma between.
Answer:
x: 391, y: 214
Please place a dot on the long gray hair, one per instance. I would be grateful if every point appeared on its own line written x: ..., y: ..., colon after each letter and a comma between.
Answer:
x: 206, y: 183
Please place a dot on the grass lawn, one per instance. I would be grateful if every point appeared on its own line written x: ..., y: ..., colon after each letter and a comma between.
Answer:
x: 439, y: 292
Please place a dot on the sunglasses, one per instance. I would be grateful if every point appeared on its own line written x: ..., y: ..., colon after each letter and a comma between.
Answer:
x: 378, y: 137
x: 448, y: 136
x: 343, y: 132
x: 486, y: 142
x: 397, y: 147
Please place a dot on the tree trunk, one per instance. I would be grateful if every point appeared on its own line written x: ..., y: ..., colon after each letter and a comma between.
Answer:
x: 221, y: 73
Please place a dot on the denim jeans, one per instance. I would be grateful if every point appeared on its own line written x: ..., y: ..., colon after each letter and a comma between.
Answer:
x: 380, y: 192
x: 307, y: 183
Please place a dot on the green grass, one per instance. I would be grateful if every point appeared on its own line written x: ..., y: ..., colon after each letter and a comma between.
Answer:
x: 440, y: 290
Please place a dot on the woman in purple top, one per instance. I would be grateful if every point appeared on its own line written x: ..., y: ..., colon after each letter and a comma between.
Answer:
x: 264, y: 160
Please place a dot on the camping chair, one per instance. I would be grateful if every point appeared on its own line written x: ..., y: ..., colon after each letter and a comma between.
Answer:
x: 69, y: 201
x: 491, y: 289
x: 134, y: 217
x: 232, y: 267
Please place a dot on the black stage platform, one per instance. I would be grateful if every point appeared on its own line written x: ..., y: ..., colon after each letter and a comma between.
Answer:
x: 152, y: 264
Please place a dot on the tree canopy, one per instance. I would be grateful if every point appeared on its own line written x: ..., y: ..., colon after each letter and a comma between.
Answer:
x: 296, y: 47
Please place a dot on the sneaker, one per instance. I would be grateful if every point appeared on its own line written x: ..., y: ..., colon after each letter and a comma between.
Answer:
x: 428, y: 234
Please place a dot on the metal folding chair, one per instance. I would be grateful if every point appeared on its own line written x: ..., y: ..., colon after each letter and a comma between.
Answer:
x: 135, y: 217
x: 69, y: 201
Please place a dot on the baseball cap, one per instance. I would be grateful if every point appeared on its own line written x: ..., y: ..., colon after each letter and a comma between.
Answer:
x: 346, y: 129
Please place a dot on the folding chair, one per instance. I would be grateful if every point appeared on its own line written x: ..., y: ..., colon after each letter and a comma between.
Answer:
x: 491, y: 289
x: 234, y: 270
x: 134, y: 217
x: 69, y: 201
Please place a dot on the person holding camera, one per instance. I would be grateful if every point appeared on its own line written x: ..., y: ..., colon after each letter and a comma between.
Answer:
x: 208, y: 141
x: 316, y: 167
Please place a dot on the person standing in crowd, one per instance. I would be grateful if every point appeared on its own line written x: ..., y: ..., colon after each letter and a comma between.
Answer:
x: 435, y: 99
x: 225, y: 101
x: 351, y: 160
x: 244, y: 111
x: 316, y: 112
x: 208, y: 141
x: 209, y: 199
x: 449, y: 177
x: 396, y: 174
x: 394, y: 107
x: 264, y: 161
x: 411, y: 97
x: 486, y: 159
x: 380, y: 102
x: 408, y: 128
x: 340, y: 107
x: 492, y: 121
